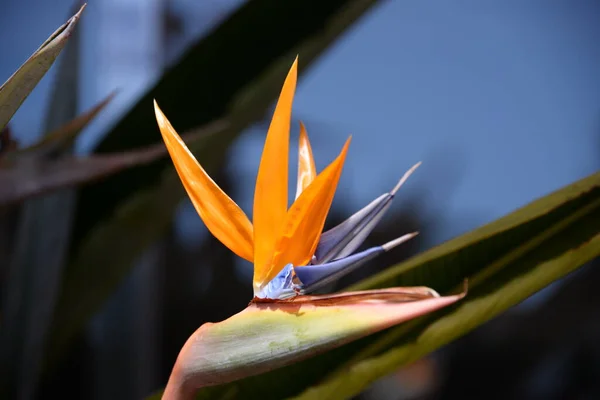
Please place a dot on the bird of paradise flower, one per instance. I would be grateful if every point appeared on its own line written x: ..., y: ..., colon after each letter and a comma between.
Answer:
x: 292, y: 258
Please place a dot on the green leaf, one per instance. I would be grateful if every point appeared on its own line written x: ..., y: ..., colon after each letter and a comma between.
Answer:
x: 508, y: 260
x: 234, y: 73
x: 16, y: 89
x: 505, y: 261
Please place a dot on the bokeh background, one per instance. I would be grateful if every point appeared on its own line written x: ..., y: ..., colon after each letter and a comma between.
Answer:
x: 500, y: 99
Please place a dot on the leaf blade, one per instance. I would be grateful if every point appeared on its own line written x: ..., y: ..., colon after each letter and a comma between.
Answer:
x: 65, y: 135
x: 36, y: 177
x: 16, y: 89
x: 452, y: 325
x: 572, y: 241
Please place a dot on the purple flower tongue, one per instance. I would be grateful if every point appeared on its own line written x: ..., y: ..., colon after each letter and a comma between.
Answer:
x: 345, y: 238
x: 312, y: 277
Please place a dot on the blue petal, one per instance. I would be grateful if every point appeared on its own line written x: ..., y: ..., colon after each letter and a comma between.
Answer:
x: 312, y: 277
x: 342, y: 240
x: 279, y: 287
x: 346, y: 237
x: 292, y: 281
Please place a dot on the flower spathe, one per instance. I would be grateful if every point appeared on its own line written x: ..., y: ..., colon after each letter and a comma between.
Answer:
x: 283, y: 244
x: 265, y: 336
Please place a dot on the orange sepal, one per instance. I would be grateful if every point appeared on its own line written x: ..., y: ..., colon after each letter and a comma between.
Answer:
x: 270, y: 195
x: 222, y: 216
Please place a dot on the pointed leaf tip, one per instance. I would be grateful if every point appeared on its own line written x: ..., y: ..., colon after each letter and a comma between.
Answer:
x: 18, y: 87
x: 222, y: 216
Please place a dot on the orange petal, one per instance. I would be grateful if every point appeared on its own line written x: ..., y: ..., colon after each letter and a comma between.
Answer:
x: 306, y: 163
x: 222, y: 216
x: 305, y: 220
x: 270, y: 195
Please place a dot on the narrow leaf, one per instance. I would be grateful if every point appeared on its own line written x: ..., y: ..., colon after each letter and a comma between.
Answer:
x: 16, y: 89
x: 32, y: 177
x: 566, y: 237
x: 64, y: 136
x: 43, y: 237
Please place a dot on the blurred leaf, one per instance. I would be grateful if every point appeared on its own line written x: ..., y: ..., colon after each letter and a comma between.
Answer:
x: 41, y: 249
x: 506, y: 261
x: 234, y: 73
x: 8, y: 226
x: 7, y: 142
x: 64, y: 136
x: 16, y: 89
x: 24, y: 178
x: 563, y: 326
x: 265, y: 336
